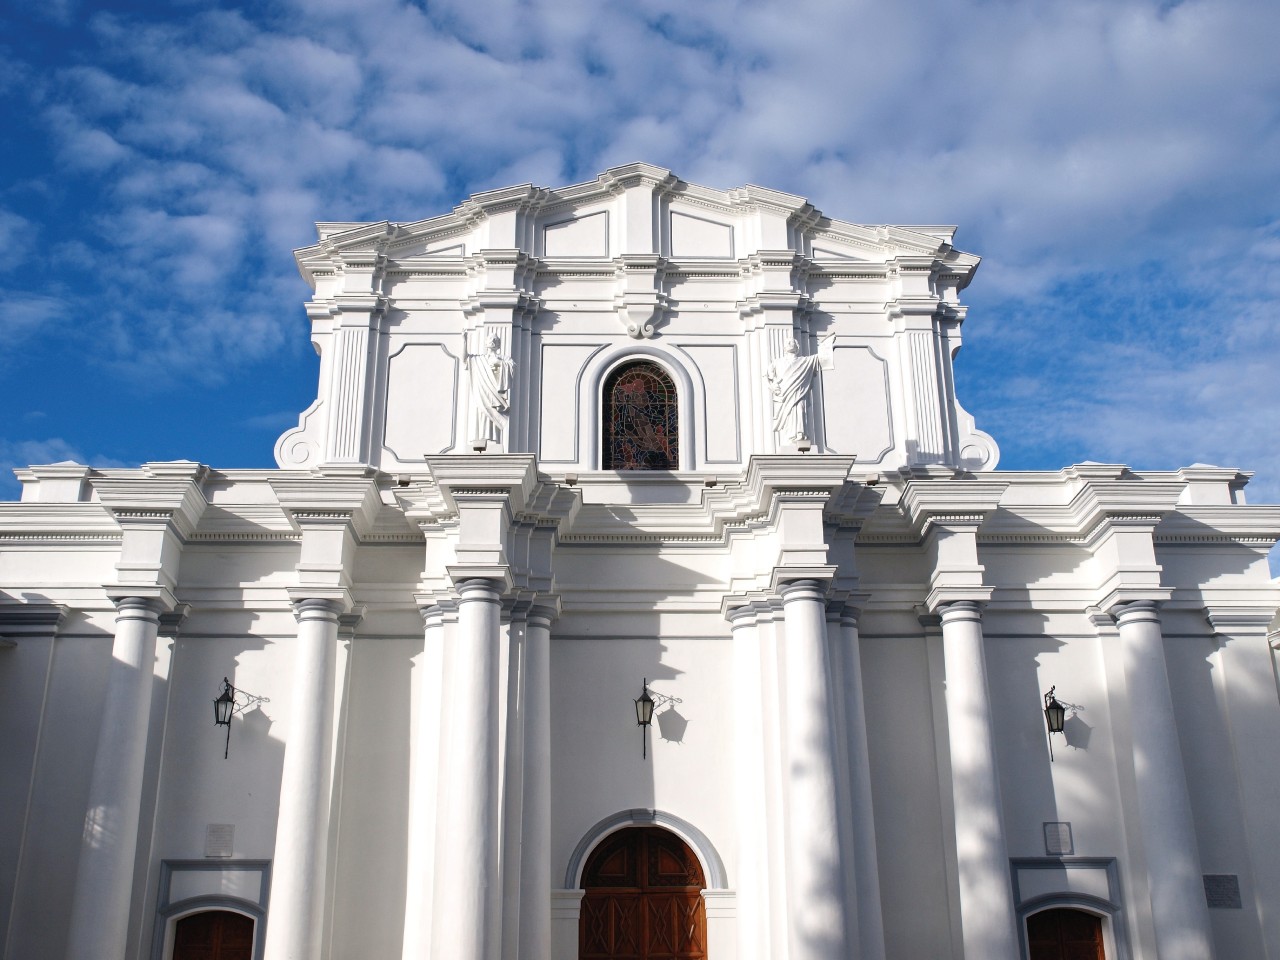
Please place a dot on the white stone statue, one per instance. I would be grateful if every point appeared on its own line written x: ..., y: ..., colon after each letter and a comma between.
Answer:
x: 490, y: 388
x: 791, y: 376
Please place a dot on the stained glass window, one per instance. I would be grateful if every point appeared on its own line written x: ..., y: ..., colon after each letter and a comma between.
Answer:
x: 641, y: 425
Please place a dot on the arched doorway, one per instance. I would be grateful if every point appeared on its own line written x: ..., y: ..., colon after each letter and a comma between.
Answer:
x: 643, y: 899
x: 213, y: 935
x: 1065, y: 934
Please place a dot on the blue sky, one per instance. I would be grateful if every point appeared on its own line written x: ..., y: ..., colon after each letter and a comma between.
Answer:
x: 1116, y: 164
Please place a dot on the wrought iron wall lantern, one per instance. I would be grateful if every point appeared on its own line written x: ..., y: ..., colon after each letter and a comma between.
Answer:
x: 230, y: 702
x: 645, y: 705
x: 1055, y: 716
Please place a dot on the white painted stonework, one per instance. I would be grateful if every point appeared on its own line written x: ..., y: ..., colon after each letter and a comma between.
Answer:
x: 450, y: 606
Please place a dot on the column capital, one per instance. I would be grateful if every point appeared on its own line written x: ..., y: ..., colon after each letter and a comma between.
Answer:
x: 1135, y: 611
x: 498, y: 574
x: 957, y: 610
x: 134, y: 607
x: 848, y: 611
x: 784, y: 576
x: 156, y: 593
x: 544, y: 611
x: 941, y: 597
x: 319, y: 608
x: 481, y: 589
x: 330, y: 594
x: 435, y: 607
x: 803, y: 589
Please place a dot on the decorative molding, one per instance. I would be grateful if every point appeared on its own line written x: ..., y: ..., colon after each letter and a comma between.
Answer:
x: 712, y: 866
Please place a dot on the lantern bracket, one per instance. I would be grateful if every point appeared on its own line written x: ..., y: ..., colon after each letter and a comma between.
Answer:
x: 230, y: 702
x: 1055, y: 714
x: 646, y: 704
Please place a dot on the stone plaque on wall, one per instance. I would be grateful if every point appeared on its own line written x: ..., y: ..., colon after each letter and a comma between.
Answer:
x: 1222, y: 891
x: 1057, y: 839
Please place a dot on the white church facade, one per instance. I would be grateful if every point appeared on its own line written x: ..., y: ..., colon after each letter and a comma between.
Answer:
x: 637, y: 445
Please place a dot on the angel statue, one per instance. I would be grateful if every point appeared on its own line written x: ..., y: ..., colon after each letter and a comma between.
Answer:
x: 791, y: 376
x: 491, y: 374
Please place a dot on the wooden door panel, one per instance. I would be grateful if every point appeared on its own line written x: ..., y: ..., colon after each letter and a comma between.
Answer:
x: 1064, y: 934
x: 643, y: 899
x: 213, y: 935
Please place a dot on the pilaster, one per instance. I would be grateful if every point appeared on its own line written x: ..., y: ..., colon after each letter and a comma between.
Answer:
x: 1245, y: 686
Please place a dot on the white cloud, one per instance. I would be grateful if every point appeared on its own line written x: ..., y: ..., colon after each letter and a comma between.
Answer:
x: 1075, y: 144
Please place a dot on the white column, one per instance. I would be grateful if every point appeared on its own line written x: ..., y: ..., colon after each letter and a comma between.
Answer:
x: 424, y: 790
x: 1247, y: 686
x: 467, y: 902
x: 535, y: 862
x: 773, y: 714
x: 815, y: 873
x: 511, y: 674
x: 750, y: 792
x: 295, y: 917
x: 104, y: 877
x: 987, y: 917
x: 866, y: 901
x: 1168, y: 831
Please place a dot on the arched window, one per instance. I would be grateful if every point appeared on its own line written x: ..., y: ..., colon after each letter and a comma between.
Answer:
x: 641, y: 421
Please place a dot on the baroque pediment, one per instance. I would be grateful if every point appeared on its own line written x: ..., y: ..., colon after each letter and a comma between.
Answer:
x: 634, y: 210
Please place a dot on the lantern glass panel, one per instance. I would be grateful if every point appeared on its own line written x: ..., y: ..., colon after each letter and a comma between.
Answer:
x: 223, y: 707
x: 1055, y: 715
x: 644, y: 709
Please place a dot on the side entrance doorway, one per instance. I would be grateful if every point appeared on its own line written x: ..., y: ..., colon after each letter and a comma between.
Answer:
x: 1064, y: 934
x: 213, y: 935
x: 643, y: 899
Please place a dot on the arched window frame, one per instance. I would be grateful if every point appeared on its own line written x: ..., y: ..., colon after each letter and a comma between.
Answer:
x: 690, y: 405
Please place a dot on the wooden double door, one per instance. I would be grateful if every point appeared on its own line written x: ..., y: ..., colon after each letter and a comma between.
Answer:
x: 643, y: 899
x: 1064, y: 934
x: 213, y: 935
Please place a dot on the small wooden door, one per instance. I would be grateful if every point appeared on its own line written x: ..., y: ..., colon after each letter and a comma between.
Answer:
x: 1065, y: 934
x: 213, y: 935
x: 643, y: 899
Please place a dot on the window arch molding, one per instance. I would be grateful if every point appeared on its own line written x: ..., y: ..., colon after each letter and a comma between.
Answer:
x: 690, y: 405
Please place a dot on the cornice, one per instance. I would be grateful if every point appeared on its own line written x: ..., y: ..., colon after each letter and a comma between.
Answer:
x: 167, y: 494
x: 328, y: 500
x: 947, y: 502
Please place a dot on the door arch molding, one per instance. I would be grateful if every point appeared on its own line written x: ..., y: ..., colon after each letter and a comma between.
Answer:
x: 712, y: 866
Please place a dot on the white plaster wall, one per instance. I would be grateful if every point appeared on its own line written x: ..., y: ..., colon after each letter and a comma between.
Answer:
x: 199, y: 787
x: 1209, y: 761
x: 596, y: 764
x: 372, y: 802
x: 906, y: 793
x: 42, y: 901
